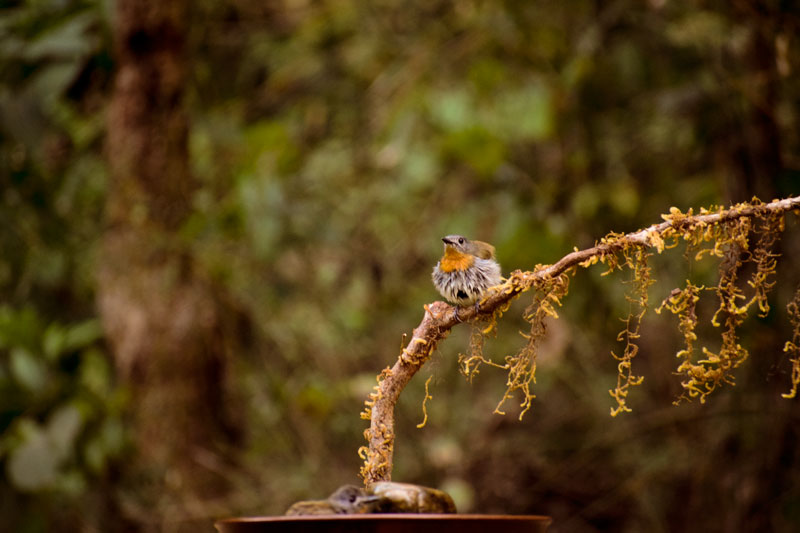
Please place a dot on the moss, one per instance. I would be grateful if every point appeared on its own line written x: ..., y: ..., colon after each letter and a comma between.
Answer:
x: 743, y: 236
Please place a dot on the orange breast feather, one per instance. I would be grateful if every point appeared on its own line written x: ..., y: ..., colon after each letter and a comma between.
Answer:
x: 455, y: 260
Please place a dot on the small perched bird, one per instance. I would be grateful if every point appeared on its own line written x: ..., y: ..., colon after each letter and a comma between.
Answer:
x: 466, y: 270
x: 396, y: 497
x: 347, y: 499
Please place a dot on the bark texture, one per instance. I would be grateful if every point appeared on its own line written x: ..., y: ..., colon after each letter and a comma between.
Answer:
x: 160, y: 317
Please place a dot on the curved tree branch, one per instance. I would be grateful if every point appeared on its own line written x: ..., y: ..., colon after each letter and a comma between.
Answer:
x: 440, y: 318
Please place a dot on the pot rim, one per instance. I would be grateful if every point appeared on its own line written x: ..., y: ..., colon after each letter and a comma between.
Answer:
x: 387, y: 516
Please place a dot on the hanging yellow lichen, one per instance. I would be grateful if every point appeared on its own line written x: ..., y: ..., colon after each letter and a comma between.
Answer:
x: 792, y: 347
x: 728, y: 239
x: 521, y: 367
x: 425, y: 403
x: 731, y: 243
x: 742, y: 238
x: 635, y: 259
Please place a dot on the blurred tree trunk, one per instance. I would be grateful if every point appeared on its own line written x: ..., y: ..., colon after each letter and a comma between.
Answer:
x: 753, y: 145
x: 160, y: 316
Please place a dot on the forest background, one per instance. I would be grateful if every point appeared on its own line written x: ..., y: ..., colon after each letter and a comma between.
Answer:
x: 322, y: 150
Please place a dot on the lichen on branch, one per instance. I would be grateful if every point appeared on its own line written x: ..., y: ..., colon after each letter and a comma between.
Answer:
x: 636, y: 260
x: 792, y: 347
x: 727, y: 230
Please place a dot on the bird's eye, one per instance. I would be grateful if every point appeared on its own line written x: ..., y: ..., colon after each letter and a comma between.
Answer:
x: 461, y: 240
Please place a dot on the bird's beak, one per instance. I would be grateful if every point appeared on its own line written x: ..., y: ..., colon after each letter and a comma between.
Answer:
x: 369, y: 499
x: 446, y: 240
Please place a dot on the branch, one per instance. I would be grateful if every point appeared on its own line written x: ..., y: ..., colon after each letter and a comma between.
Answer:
x: 440, y: 317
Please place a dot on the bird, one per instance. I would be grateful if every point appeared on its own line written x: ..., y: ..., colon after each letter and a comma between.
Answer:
x: 347, y: 499
x: 394, y: 497
x: 466, y: 270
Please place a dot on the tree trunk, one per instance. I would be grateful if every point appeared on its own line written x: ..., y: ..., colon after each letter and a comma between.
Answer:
x: 160, y: 317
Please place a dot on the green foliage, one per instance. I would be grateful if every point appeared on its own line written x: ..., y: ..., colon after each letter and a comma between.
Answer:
x: 54, y: 66
x: 60, y: 414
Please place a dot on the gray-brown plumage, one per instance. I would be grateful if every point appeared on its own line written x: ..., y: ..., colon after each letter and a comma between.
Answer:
x: 466, y: 270
x: 383, y: 497
x: 347, y: 499
x: 407, y: 498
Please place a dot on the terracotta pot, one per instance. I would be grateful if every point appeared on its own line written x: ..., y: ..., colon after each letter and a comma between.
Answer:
x: 386, y: 523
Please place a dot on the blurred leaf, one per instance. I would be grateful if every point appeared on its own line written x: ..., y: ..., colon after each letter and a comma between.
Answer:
x: 477, y: 147
x: 420, y: 168
x: 63, y: 40
x: 19, y: 327
x: 700, y: 28
x: 104, y: 444
x: 269, y: 148
x: 82, y: 334
x: 452, y: 109
x: 315, y: 400
x: 82, y: 130
x: 32, y: 466
x: 95, y: 372
x: 53, y: 341
x: 71, y: 483
x: 63, y: 427
x: 462, y: 492
x: 586, y: 201
x: 262, y: 200
x: 52, y: 80
x: 625, y: 199
x: 27, y: 369
x: 34, y: 463
x: 524, y: 114
x: 488, y: 74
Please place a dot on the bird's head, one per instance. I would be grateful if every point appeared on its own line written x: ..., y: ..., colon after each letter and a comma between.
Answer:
x: 353, y: 499
x: 459, y: 243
